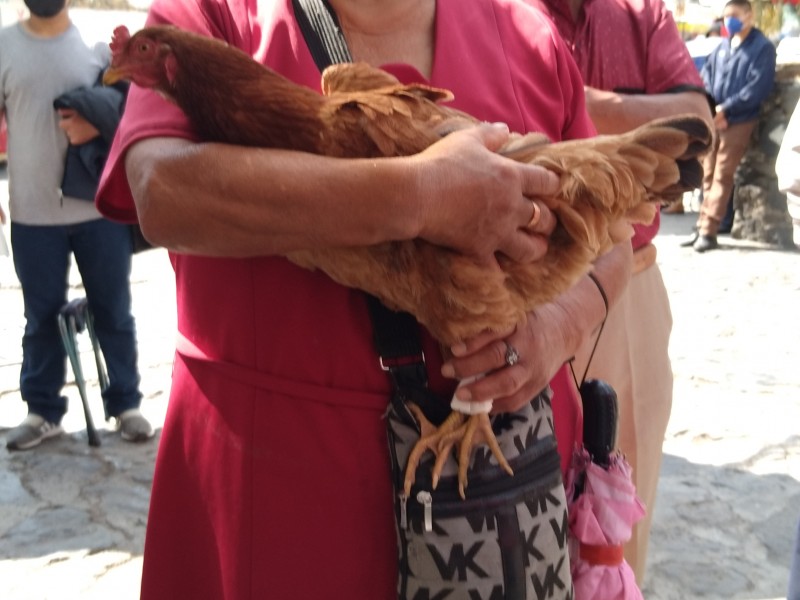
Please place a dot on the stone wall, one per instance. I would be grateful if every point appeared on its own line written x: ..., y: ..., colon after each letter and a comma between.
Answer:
x: 760, y: 209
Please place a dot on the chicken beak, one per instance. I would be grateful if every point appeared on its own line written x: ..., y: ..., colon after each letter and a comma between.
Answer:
x: 113, y: 75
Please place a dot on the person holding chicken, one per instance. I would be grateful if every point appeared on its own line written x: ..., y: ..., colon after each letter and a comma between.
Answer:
x: 641, y: 72
x: 272, y: 479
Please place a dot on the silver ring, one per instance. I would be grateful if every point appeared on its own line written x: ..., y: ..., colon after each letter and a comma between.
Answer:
x: 512, y: 356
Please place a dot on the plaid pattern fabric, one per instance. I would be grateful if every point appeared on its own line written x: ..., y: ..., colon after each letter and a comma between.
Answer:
x: 508, y: 539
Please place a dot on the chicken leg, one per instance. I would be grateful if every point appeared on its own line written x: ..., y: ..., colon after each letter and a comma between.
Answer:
x: 464, y: 431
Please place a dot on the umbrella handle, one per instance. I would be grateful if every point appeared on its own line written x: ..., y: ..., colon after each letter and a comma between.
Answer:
x: 600, y: 416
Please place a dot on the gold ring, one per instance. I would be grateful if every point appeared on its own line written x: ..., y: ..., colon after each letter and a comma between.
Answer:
x: 535, y: 217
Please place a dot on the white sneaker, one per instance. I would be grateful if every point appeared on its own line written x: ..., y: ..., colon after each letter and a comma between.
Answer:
x: 31, y: 432
x: 133, y: 427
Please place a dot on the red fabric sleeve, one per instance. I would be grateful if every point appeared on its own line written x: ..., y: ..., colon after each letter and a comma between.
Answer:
x: 669, y: 65
x: 147, y: 114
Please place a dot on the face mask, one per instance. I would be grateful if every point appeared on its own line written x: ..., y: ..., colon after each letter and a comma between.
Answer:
x: 733, y: 25
x: 45, y: 8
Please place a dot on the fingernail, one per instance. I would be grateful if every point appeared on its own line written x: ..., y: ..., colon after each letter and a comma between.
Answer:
x: 448, y: 371
x: 463, y: 394
x: 459, y: 349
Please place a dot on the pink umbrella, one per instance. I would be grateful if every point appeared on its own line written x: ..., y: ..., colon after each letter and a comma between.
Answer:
x: 604, y: 506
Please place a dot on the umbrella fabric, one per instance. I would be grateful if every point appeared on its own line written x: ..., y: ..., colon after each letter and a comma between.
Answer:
x: 601, y: 517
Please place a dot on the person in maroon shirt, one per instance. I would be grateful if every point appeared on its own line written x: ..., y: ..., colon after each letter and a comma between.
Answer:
x: 636, y: 68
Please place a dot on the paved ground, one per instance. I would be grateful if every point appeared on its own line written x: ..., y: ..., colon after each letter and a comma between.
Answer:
x: 72, y: 518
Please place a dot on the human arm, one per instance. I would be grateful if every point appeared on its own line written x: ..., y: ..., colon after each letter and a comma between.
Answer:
x: 552, y: 335
x: 663, y: 80
x: 614, y: 112
x: 222, y: 200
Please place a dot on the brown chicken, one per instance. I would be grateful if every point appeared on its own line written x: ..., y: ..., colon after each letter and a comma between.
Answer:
x: 365, y: 112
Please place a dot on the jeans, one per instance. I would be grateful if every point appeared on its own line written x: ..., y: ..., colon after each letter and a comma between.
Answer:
x: 794, y: 572
x: 102, y: 252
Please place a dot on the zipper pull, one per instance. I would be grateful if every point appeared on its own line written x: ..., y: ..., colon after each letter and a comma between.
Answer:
x: 403, y: 516
x: 426, y: 500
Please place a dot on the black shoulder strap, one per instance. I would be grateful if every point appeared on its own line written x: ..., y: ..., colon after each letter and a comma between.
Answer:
x: 396, y: 334
x: 322, y: 33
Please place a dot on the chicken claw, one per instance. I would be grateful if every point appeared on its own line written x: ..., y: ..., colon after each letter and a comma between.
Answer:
x: 458, y: 428
x: 429, y: 439
x: 475, y: 431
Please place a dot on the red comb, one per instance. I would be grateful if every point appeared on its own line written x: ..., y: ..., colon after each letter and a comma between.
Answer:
x: 121, y: 37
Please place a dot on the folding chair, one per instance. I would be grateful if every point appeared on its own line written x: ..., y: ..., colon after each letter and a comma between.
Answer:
x: 73, y: 318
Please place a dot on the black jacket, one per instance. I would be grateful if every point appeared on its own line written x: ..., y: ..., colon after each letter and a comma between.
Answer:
x: 102, y: 106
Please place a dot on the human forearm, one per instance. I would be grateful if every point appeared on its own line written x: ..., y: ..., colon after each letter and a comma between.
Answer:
x: 583, y: 304
x: 617, y: 113
x: 223, y: 200
x: 184, y: 203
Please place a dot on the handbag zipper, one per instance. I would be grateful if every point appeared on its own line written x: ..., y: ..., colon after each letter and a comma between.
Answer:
x: 449, y: 503
x: 403, y: 513
x: 426, y: 499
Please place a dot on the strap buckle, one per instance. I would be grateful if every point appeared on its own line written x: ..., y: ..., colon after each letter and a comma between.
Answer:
x: 400, y: 361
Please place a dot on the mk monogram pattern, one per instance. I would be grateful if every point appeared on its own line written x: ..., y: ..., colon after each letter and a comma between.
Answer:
x: 495, y: 545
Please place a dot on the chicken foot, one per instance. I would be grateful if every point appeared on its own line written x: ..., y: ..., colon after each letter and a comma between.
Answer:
x: 465, y: 431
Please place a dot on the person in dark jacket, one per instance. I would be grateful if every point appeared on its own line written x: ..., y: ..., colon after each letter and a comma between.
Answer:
x: 739, y: 75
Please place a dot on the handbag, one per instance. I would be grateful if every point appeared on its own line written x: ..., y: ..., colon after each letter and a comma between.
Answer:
x: 508, y: 539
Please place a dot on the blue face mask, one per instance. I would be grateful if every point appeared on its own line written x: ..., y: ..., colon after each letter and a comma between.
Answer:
x: 733, y: 25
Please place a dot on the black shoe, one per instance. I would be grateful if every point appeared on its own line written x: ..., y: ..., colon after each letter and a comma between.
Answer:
x: 705, y: 243
x: 691, y: 241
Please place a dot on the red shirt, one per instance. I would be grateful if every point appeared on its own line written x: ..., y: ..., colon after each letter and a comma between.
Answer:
x: 630, y: 46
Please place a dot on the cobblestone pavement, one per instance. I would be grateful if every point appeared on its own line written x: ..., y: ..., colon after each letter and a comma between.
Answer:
x: 72, y: 517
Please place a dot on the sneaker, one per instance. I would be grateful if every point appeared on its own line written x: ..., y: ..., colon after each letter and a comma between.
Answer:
x: 31, y: 432
x: 133, y: 427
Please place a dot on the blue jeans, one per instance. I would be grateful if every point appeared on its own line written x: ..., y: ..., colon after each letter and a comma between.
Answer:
x: 794, y: 570
x: 102, y: 251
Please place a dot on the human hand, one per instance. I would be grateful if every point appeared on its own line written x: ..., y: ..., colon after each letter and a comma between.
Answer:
x: 479, y: 203
x: 551, y: 335
x: 542, y: 345
x: 720, y: 121
x: 78, y: 130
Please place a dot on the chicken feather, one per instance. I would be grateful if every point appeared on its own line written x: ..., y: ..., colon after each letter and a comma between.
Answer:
x: 366, y: 112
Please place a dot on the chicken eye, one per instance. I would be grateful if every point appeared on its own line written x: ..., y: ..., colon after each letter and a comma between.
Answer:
x: 143, y: 47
